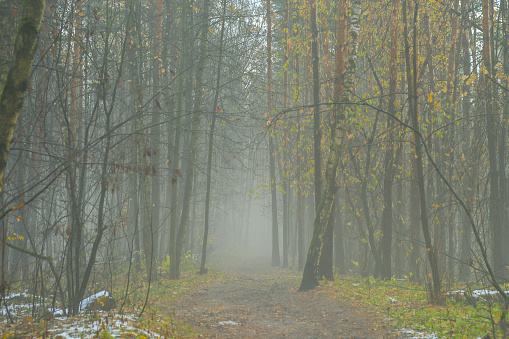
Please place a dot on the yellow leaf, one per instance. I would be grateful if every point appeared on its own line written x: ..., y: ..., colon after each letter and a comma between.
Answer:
x: 430, y: 96
x: 163, y: 70
x: 19, y: 218
x: 496, y: 318
x: 470, y: 79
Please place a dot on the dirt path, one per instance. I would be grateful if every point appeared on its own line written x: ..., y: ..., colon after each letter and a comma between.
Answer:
x: 255, y: 301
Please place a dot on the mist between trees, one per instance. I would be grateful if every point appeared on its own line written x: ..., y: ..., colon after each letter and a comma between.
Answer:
x: 365, y: 137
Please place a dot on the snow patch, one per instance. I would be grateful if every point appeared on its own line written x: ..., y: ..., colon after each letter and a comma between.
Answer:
x: 418, y: 335
x: 14, y: 295
x: 117, y: 326
x: 476, y: 293
x: 229, y: 322
x: 85, y: 302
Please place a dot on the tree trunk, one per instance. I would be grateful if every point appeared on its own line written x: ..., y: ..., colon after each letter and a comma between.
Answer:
x: 317, y: 130
x: 449, y: 141
x: 17, y: 80
x: 155, y: 135
x: 276, y: 261
x: 411, y: 71
x: 309, y: 276
x: 193, y: 147
x: 169, y: 60
x: 176, y: 174
x: 214, y: 112
x: 284, y: 173
x: 389, y: 168
x: 492, y: 132
x: 326, y: 263
x: 504, y: 197
x: 339, y: 247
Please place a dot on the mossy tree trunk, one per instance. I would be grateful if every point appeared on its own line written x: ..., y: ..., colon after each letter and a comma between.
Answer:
x: 15, y: 86
x: 18, y: 76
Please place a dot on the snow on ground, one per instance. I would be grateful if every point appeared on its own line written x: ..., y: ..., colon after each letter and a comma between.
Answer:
x: 229, y: 322
x: 94, y: 297
x: 109, y: 324
x: 476, y: 293
x: 57, y: 312
x: 407, y: 333
x: 13, y: 309
x: 116, y: 325
x: 417, y: 335
x: 14, y: 295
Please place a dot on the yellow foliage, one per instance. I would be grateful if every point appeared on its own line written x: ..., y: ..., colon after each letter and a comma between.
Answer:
x: 471, y: 78
x: 430, y: 96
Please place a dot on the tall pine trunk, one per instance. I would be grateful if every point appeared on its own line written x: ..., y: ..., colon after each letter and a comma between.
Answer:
x: 276, y: 260
x: 176, y: 173
x: 214, y: 112
x: 389, y: 168
x: 317, y: 130
x: 193, y: 145
x: 411, y: 73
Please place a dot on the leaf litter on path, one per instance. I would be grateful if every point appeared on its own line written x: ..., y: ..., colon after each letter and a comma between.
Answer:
x: 264, y: 302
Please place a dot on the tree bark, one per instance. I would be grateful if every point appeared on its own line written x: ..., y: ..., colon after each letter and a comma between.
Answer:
x: 176, y: 174
x: 155, y: 136
x: 389, y: 168
x: 411, y: 72
x: 284, y: 173
x: 17, y: 80
x: 276, y: 260
x: 317, y: 130
x: 214, y: 112
x: 339, y: 247
x: 309, y: 276
x: 193, y: 147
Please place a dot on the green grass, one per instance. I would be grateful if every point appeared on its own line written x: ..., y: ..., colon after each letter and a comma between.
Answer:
x: 410, y: 309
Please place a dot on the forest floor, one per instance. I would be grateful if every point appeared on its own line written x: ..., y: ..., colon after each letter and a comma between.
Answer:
x: 251, y: 299
x: 242, y: 296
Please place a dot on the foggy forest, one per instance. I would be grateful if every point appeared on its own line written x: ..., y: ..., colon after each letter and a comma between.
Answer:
x: 254, y: 169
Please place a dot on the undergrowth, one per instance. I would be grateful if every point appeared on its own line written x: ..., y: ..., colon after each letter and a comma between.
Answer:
x: 157, y: 320
x: 405, y: 305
